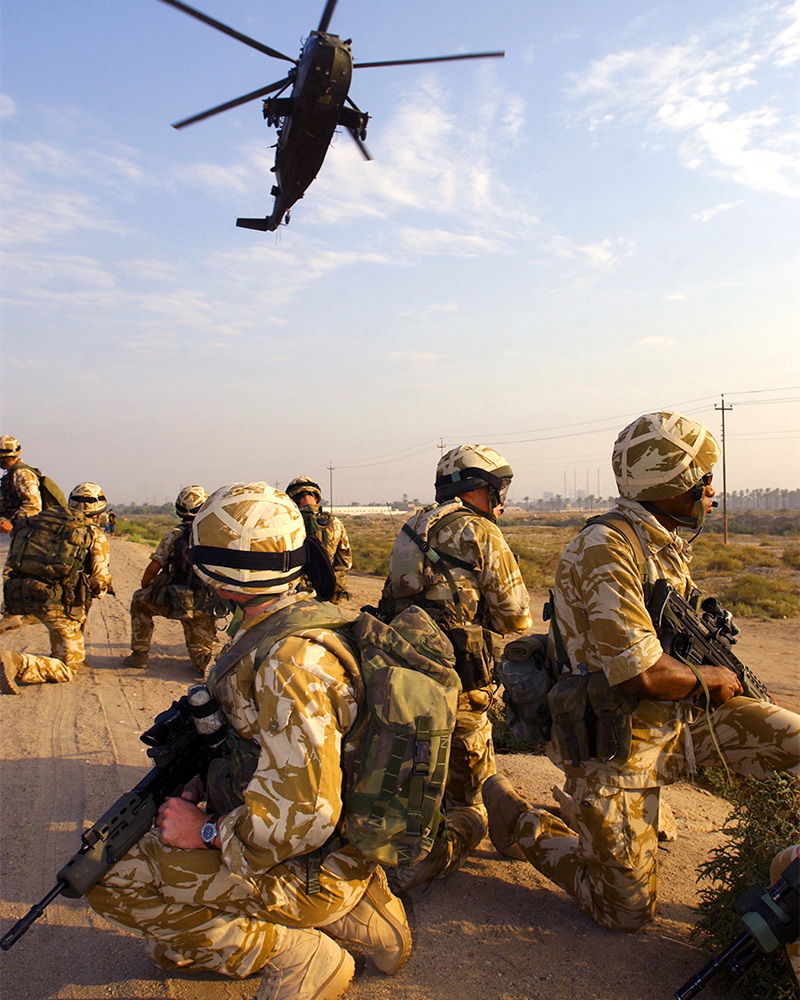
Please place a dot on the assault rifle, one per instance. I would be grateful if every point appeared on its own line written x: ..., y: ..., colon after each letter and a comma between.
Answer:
x: 181, y: 742
x: 770, y: 919
x: 704, y: 637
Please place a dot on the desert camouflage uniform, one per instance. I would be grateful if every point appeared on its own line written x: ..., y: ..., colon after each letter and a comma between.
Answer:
x: 20, y: 493
x: 493, y: 595
x: 66, y: 633
x: 608, y: 862
x: 223, y: 910
x: 199, y: 628
x: 329, y: 529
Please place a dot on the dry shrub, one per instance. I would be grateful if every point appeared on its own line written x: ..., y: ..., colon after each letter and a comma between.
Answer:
x: 764, y: 821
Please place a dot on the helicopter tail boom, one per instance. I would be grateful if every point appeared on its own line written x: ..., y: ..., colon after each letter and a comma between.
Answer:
x: 262, y: 225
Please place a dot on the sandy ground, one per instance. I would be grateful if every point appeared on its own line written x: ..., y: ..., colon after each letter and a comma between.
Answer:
x: 497, y: 930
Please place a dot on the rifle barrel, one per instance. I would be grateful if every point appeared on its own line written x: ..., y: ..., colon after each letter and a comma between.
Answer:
x: 21, y: 926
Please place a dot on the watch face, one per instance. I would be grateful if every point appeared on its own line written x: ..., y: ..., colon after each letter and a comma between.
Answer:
x: 208, y: 834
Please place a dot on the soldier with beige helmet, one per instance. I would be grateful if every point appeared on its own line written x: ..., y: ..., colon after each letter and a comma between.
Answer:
x: 251, y: 883
x: 171, y: 589
x: 601, y: 629
x: 451, y: 559
x: 20, y: 496
x: 328, y: 528
x: 60, y: 604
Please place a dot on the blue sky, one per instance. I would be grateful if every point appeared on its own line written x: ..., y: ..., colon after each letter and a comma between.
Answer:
x: 604, y: 222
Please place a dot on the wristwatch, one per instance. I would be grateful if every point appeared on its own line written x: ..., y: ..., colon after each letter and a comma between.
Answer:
x: 208, y: 832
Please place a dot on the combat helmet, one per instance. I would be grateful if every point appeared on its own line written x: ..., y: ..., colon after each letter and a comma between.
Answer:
x: 88, y: 498
x: 9, y: 447
x: 302, y: 484
x: 662, y: 454
x: 469, y: 467
x: 250, y: 538
x: 189, y: 501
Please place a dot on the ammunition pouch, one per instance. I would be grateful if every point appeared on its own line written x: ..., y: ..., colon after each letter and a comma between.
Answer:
x: 476, y: 651
x: 230, y: 774
x: 569, y: 708
x: 613, y: 714
x: 591, y: 719
x: 25, y: 595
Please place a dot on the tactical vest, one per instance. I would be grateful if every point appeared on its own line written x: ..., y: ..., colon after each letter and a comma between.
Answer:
x: 47, y: 564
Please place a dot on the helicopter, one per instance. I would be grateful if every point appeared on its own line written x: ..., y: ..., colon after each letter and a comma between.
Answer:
x: 317, y: 104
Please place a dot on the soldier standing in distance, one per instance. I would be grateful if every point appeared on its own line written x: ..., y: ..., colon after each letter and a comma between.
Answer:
x: 474, y: 582
x: 171, y: 589
x: 247, y: 884
x: 328, y: 528
x: 600, y: 625
x: 64, y: 611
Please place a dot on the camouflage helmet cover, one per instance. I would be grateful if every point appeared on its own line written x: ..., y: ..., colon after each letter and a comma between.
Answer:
x: 88, y: 498
x: 9, y: 446
x: 661, y: 455
x: 469, y: 467
x: 189, y: 501
x: 249, y: 538
x: 302, y: 484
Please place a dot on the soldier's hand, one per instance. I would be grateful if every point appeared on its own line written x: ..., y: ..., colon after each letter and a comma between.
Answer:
x: 723, y: 684
x: 5, y: 526
x: 194, y: 790
x: 179, y: 823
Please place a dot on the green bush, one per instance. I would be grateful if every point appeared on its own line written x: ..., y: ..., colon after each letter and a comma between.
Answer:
x: 791, y: 557
x: 752, y: 596
x: 764, y: 821
x: 148, y: 530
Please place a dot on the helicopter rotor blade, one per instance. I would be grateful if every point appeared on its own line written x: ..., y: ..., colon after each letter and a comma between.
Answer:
x: 228, y: 31
x: 327, y: 14
x: 360, y: 143
x: 432, y: 59
x: 262, y: 92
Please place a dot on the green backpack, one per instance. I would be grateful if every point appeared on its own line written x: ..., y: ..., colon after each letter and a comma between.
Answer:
x: 49, y: 490
x: 395, y: 758
x: 46, y: 563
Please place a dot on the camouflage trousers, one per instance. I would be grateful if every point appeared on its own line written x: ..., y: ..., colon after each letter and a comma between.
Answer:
x: 195, y: 914
x: 66, y: 650
x: 199, y: 630
x: 608, y: 862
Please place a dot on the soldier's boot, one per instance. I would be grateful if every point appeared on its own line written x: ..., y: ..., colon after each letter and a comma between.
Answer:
x: 10, y: 622
x: 505, y: 806
x: 135, y: 659
x: 463, y: 829
x: 8, y: 674
x: 307, y: 965
x: 378, y: 924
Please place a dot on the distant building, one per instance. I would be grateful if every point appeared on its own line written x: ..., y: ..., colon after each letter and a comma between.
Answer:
x: 358, y: 509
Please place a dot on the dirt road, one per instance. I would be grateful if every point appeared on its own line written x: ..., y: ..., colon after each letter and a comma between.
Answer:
x: 495, y: 931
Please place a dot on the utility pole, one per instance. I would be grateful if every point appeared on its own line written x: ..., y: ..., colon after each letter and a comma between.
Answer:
x: 722, y: 408
x: 330, y: 491
x: 440, y: 446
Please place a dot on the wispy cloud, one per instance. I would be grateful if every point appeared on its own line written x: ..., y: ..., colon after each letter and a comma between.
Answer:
x: 711, y: 93
x: 709, y: 213
x: 656, y: 342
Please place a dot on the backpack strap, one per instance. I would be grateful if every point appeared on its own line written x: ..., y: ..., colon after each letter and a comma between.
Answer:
x: 619, y: 523
x: 442, y: 560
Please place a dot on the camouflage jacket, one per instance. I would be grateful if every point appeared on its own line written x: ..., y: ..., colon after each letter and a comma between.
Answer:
x: 297, y: 706
x: 329, y: 529
x: 99, y: 560
x: 492, y: 592
x: 604, y: 623
x: 19, y: 494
